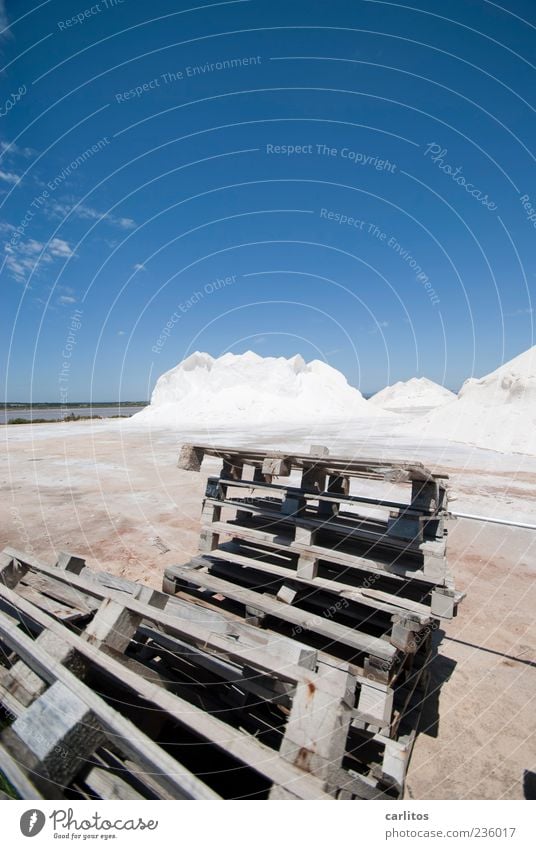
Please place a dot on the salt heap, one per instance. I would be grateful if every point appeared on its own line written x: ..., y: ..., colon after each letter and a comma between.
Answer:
x: 497, y: 411
x: 238, y: 388
x: 417, y: 393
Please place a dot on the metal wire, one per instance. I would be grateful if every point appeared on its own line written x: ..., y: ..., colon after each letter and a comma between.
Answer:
x: 492, y: 520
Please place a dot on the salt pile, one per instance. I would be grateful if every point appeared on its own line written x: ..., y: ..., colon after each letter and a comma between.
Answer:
x: 417, y: 393
x: 203, y: 391
x: 497, y: 411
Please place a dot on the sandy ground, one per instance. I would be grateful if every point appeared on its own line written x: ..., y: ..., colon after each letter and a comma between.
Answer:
x: 111, y: 492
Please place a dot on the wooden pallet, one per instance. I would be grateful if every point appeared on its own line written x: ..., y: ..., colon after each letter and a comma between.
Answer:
x: 362, y: 580
x: 318, y: 529
x: 137, y: 694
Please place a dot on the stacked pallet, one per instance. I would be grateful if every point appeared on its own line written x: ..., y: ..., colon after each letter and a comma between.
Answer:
x: 296, y: 546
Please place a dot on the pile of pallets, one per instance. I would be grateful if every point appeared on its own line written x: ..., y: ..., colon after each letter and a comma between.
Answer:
x: 296, y: 545
x: 289, y: 662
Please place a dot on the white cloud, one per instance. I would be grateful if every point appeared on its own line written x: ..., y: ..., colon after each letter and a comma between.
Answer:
x: 526, y: 311
x: 126, y: 223
x: 12, y: 149
x: 26, y: 257
x: 3, y: 18
x: 9, y: 177
x: 120, y: 332
x: 88, y: 213
x: 379, y: 325
x: 66, y: 299
x: 61, y: 248
x: 139, y: 266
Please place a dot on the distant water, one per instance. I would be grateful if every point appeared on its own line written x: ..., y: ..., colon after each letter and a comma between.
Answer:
x: 50, y: 413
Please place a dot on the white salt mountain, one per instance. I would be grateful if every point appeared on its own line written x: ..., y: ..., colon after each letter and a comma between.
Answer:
x: 497, y: 411
x: 417, y: 393
x: 203, y: 391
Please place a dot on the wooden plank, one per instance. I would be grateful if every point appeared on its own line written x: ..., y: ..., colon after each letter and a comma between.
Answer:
x: 113, y: 625
x: 257, y: 657
x: 10, y: 703
x: 349, y: 531
x: 324, y: 497
x: 108, y: 785
x: 61, y: 592
x: 17, y: 777
x: 329, y: 555
x: 357, y: 640
x: 126, y: 736
x: 191, y: 457
x: 375, y: 705
x: 387, y: 602
x: 316, y: 732
x: 247, y: 749
x: 350, y: 466
x: 55, y: 608
x: 60, y: 730
x: 261, y: 685
x: 292, y: 651
x: 11, y: 569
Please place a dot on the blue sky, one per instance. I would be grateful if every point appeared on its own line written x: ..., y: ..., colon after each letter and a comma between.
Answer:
x: 353, y: 181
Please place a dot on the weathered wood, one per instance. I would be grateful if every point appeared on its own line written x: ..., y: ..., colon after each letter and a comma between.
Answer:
x: 444, y: 602
x: 375, y: 705
x: 80, y: 603
x: 370, y: 565
x: 288, y: 491
x: 70, y: 562
x: 385, y: 470
x: 357, y: 640
x: 388, y: 602
x: 54, y: 607
x: 22, y: 682
x: 210, y: 514
x: 113, y: 625
x: 192, y: 629
x: 60, y: 730
x: 250, y: 751
x: 11, y: 569
x: 107, y: 785
x: 354, y: 529
x: 316, y: 732
x: 191, y: 457
x: 125, y: 735
x: 276, y: 467
x: 17, y: 777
